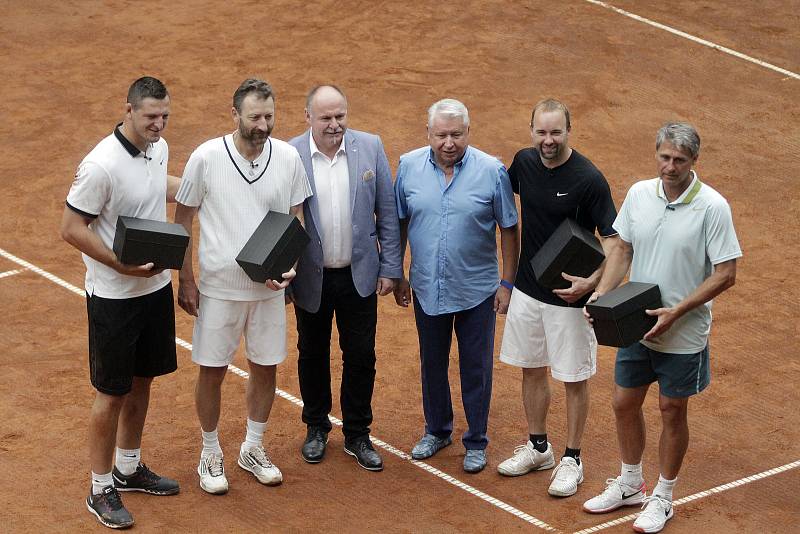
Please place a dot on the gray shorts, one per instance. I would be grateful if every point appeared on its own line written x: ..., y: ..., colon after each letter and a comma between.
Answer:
x: 678, y: 375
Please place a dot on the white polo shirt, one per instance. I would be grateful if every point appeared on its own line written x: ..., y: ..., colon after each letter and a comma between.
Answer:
x: 332, y: 181
x: 115, y: 179
x: 232, y: 202
x: 675, y: 244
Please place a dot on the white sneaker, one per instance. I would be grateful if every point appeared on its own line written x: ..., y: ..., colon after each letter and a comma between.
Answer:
x: 616, y: 495
x: 657, y: 511
x: 212, y: 474
x: 256, y: 461
x: 566, y: 477
x: 526, y: 459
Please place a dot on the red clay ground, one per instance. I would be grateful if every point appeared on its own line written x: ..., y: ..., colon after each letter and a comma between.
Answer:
x: 67, y: 68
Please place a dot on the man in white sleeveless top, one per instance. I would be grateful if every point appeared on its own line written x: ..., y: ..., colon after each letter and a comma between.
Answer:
x: 232, y: 182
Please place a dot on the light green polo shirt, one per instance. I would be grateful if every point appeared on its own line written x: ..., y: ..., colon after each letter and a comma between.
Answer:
x: 675, y: 245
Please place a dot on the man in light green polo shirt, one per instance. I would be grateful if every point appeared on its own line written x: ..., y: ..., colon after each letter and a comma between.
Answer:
x: 677, y: 232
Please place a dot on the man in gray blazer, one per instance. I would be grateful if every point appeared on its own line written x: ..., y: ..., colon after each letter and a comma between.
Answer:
x: 353, y: 256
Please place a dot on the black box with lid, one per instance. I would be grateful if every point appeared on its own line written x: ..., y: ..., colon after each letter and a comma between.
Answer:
x: 140, y: 241
x: 618, y: 316
x: 571, y: 249
x: 273, y: 248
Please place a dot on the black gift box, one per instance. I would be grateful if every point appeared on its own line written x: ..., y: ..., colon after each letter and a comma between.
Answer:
x: 139, y: 241
x: 273, y: 248
x: 619, y: 317
x: 571, y: 249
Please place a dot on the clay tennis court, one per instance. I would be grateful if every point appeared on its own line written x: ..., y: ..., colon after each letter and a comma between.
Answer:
x: 66, y: 69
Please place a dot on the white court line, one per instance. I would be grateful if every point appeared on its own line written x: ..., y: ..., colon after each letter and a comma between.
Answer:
x: 429, y: 468
x: 294, y: 400
x: 700, y: 494
x: 698, y: 40
x: 11, y: 273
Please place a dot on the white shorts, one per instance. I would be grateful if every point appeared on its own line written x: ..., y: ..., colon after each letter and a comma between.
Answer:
x: 543, y: 335
x: 219, y: 327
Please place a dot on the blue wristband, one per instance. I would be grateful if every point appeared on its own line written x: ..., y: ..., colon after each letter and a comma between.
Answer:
x: 507, y: 285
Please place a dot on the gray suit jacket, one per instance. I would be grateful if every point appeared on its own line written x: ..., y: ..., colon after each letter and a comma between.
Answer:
x: 376, y: 229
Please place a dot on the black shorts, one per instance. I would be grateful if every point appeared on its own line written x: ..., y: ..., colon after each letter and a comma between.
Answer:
x: 130, y: 337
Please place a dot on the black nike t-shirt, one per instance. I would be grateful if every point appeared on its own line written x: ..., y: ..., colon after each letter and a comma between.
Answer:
x: 576, y: 189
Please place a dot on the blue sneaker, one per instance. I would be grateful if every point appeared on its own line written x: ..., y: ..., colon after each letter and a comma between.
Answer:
x: 428, y: 446
x: 475, y: 460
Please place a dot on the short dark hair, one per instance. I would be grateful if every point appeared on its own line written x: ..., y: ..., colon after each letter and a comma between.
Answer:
x: 316, y: 88
x: 251, y: 85
x: 146, y: 87
x: 551, y: 104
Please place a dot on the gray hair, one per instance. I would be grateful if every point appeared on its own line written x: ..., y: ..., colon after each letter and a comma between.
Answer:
x: 449, y: 108
x: 681, y: 135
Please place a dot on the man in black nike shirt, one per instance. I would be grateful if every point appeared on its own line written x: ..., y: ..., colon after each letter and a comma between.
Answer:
x: 546, y: 328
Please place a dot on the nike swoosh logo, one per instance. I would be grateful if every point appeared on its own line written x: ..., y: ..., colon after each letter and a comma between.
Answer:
x: 123, y: 482
x: 540, y: 442
x: 561, y: 194
x: 629, y: 495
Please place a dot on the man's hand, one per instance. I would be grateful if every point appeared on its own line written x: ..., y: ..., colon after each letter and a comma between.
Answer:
x: 188, y: 297
x: 580, y: 286
x: 402, y: 293
x: 666, y: 316
x: 384, y: 287
x: 593, y: 298
x: 501, y: 300
x: 142, y: 271
x: 287, y: 279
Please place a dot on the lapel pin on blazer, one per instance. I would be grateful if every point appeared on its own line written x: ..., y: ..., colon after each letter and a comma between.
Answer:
x: 368, y: 175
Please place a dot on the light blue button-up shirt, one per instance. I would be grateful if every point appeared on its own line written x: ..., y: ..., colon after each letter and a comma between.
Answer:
x: 452, y: 227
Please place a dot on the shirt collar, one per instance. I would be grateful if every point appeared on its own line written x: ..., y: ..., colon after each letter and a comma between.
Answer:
x: 687, y: 196
x: 132, y: 149
x: 314, y: 150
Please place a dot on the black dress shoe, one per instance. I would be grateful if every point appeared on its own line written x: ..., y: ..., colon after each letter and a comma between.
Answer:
x: 314, y: 446
x: 361, y: 448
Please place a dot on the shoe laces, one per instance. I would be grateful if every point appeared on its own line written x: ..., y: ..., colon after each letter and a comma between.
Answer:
x: 260, y: 456
x: 144, y: 472
x: 364, y: 444
x: 522, y: 450
x: 613, y: 485
x: 214, y: 465
x: 112, y: 498
x: 564, y: 468
x: 660, y: 505
x: 316, y: 432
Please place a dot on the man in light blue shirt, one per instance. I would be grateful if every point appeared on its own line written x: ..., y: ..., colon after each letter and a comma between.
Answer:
x: 450, y: 198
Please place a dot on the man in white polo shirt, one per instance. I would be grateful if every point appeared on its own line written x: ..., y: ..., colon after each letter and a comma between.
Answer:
x: 130, y: 308
x: 233, y: 181
x: 676, y: 232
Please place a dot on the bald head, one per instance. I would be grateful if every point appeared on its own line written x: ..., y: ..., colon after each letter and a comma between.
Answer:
x: 326, y: 114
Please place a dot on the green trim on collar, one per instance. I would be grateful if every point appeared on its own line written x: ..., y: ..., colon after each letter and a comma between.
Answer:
x: 689, y: 196
x: 693, y: 192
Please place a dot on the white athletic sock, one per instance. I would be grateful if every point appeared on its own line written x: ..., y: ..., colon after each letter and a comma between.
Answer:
x: 127, y: 460
x: 664, y: 487
x: 210, y: 443
x: 632, y: 475
x: 101, y: 481
x: 255, y: 434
